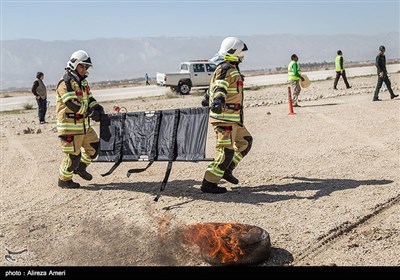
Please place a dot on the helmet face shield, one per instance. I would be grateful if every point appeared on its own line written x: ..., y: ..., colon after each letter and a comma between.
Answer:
x: 79, y: 57
x: 241, y: 56
x: 87, y: 62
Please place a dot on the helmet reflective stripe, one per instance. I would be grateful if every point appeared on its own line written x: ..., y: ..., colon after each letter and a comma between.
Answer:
x: 231, y: 58
x: 78, y: 57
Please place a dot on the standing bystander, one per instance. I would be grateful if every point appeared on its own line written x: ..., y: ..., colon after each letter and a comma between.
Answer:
x: 40, y: 92
x: 294, y: 77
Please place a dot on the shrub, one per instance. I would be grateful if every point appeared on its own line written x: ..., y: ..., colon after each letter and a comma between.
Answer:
x: 170, y: 94
x: 27, y: 106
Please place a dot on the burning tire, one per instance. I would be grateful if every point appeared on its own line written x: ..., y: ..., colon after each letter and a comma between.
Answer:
x: 230, y: 243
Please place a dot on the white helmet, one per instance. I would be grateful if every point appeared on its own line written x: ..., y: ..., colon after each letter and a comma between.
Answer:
x: 78, y: 57
x: 232, y: 49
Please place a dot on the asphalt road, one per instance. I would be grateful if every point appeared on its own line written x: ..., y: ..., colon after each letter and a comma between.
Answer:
x: 12, y: 103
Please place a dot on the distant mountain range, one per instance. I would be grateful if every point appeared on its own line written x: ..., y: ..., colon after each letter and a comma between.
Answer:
x: 120, y: 59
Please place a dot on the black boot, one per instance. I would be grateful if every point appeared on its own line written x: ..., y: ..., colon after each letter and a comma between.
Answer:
x: 393, y: 96
x: 81, y: 171
x: 230, y: 178
x: 68, y: 184
x: 207, y: 187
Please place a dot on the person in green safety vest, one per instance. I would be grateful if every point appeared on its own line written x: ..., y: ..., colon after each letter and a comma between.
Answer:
x: 339, y: 67
x: 294, y: 77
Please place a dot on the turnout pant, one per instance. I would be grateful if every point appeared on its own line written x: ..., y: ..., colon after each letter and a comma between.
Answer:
x: 233, y: 144
x: 77, y: 149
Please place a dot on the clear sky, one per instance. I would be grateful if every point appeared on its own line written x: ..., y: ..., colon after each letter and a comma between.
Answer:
x: 50, y: 20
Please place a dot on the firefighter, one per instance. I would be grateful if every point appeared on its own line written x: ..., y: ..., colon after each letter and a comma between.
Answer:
x: 225, y: 98
x: 75, y: 107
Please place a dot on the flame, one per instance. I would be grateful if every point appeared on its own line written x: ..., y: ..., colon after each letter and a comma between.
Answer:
x: 217, y: 241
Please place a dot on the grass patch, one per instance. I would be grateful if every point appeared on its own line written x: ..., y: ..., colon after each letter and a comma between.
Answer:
x: 27, y: 106
x: 170, y: 94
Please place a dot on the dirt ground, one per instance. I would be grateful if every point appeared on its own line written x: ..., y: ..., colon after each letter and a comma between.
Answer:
x: 324, y: 184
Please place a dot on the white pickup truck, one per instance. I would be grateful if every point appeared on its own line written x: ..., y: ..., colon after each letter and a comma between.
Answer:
x: 194, y: 73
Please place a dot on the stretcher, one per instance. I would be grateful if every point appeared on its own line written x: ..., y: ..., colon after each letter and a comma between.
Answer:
x: 157, y: 135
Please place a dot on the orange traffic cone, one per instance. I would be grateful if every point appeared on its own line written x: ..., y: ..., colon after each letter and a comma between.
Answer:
x: 290, y: 102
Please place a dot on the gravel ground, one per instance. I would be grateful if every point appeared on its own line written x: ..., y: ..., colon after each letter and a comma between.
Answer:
x: 324, y: 184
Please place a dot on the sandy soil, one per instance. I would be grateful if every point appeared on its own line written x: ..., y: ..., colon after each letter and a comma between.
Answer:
x: 324, y: 184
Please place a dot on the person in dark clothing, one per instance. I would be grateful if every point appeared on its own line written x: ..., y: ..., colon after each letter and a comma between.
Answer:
x: 146, y: 77
x: 380, y: 64
x: 339, y: 67
x: 39, y: 90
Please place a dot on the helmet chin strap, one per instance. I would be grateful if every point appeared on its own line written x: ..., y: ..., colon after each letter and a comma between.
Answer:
x: 76, y: 75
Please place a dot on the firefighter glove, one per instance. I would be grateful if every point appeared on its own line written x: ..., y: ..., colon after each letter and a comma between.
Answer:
x: 218, y: 104
x: 99, y: 109
x: 206, y: 100
x: 94, y: 115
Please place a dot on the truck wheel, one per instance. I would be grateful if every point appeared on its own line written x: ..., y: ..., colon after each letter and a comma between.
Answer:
x: 184, y: 88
